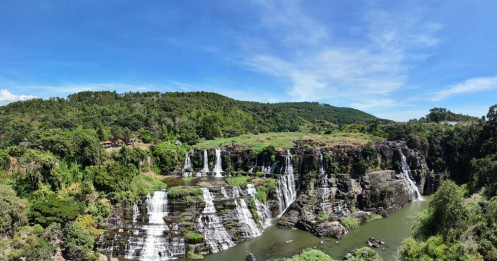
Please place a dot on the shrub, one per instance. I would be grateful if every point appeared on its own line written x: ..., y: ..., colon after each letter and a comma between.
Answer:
x: 311, y: 255
x: 142, y: 185
x: 239, y: 182
x: 194, y: 238
x: 350, y: 223
x: 79, y: 242
x: 53, y: 209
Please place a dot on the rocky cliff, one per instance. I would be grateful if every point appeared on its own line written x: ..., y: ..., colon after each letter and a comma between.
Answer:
x: 326, y: 190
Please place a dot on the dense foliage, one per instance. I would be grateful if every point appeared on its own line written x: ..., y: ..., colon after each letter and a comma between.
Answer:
x: 158, y: 116
x: 461, y: 222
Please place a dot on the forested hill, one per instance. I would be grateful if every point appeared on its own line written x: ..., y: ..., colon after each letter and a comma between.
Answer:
x: 153, y: 115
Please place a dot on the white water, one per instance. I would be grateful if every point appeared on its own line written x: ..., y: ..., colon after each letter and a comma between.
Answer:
x: 218, y: 167
x: 408, y: 183
x: 286, y: 191
x: 209, y: 202
x: 205, y: 169
x: 321, y: 164
x: 236, y: 192
x: 248, y: 226
x: 262, y: 210
x: 216, y: 235
x: 155, y: 246
x: 188, y: 166
x: 224, y: 193
x: 136, y: 212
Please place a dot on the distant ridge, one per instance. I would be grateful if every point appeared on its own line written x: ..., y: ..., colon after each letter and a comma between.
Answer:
x: 188, y: 115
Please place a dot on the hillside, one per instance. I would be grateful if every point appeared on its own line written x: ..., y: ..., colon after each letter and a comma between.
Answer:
x: 160, y: 116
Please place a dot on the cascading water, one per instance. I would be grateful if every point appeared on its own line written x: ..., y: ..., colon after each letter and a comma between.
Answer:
x: 209, y: 202
x: 321, y: 164
x: 154, y: 245
x: 286, y: 191
x: 216, y: 236
x: 236, y: 192
x: 136, y: 212
x: 248, y: 226
x: 188, y: 166
x: 205, y: 169
x: 218, y: 167
x: 408, y: 183
x: 323, y: 189
x: 224, y: 193
x: 262, y: 210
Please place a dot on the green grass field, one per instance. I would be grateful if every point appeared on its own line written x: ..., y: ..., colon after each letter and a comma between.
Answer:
x: 286, y: 139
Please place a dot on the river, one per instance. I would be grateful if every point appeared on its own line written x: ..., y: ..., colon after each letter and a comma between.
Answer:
x: 277, y: 243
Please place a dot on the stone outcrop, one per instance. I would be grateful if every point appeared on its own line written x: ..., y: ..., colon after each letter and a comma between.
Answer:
x: 338, y: 187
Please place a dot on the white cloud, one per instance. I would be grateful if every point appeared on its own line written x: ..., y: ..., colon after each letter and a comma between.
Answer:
x: 469, y: 86
x: 8, y: 97
x: 360, y: 74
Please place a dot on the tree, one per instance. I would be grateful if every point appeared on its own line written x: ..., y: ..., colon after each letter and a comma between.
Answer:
x: 12, y: 211
x: 492, y: 114
x: 437, y: 114
x: 88, y: 150
x: 78, y: 242
x: 54, y: 209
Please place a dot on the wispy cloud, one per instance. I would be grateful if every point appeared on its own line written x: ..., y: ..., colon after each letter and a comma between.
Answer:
x: 472, y: 85
x: 7, y: 97
x: 370, y: 68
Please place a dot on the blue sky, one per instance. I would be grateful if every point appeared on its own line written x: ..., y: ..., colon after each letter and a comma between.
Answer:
x: 394, y: 59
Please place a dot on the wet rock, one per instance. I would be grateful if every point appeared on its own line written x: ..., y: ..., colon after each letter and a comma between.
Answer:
x: 348, y: 256
x: 250, y: 257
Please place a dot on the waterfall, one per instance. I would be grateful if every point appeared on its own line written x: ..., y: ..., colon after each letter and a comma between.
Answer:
x: 188, y: 166
x: 136, y: 212
x: 321, y: 164
x: 224, y: 193
x: 155, y: 246
x: 218, y: 167
x: 408, y: 183
x: 209, y: 202
x: 262, y: 210
x: 216, y: 236
x: 323, y: 189
x: 248, y: 227
x: 236, y: 192
x: 205, y: 169
x: 285, y: 189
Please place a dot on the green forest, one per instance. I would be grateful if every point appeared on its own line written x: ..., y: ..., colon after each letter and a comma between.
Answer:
x: 58, y: 184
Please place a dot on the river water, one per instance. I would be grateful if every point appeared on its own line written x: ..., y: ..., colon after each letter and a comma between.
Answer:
x: 277, y: 242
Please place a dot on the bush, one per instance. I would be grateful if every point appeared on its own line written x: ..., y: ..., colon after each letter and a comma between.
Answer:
x: 143, y: 185
x: 365, y: 254
x: 350, y: 223
x: 311, y: 255
x: 239, y: 182
x: 183, y: 192
x: 79, y: 242
x: 193, y: 256
x: 194, y: 238
x: 53, y: 209
x: 12, y: 211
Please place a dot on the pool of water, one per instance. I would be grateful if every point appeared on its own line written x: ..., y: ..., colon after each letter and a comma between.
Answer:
x: 277, y: 243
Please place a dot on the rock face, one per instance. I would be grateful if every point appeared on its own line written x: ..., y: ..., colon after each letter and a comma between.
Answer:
x: 325, y: 190
x: 325, y: 200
